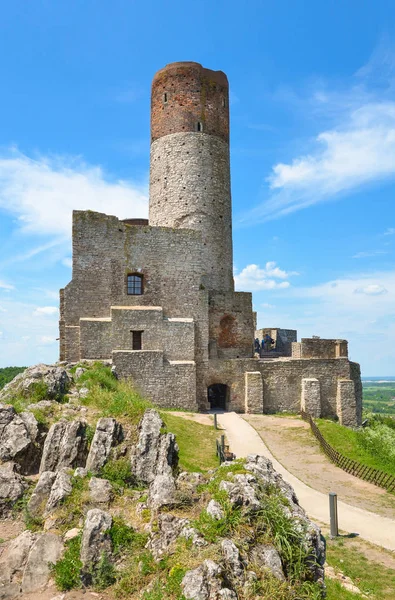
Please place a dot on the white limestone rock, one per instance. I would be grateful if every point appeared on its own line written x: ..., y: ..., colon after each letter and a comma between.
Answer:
x: 214, y: 510
x: 266, y: 555
x: 65, y: 446
x: 60, y: 489
x: 162, y: 492
x: 55, y: 378
x: 108, y: 433
x: 40, y: 496
x: 18, y: 438
x: 156, y: 453
x: 12, y: 487
x: 46, y: 550
x: 95, y: 541
x: 100, y: 491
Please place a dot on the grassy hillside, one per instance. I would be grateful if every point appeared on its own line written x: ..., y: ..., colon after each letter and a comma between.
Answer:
x: 379, y: 396
x: 8, y: 373
x: 373, y: 446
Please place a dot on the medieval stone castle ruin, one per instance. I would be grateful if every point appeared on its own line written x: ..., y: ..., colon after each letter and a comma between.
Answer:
x: 157, y: 296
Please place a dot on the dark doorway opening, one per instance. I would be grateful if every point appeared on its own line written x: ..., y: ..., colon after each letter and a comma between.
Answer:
x: 217, y: 396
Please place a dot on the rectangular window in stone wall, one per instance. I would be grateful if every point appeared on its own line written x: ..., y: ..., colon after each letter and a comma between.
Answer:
x: 135, y: 285
x: 137, y: 340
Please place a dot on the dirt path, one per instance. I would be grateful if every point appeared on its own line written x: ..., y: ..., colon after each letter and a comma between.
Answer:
x: 293, y: 445
x: 374, y: 528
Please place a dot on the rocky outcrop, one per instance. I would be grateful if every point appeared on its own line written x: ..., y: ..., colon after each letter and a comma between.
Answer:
x: 60, y: 489
x: 95, y: 541
x: 313, y: 540
x: 232, y: 559
x: 46, y: 550
x: 65, y: 446
x: 19, y: 439
x: 266, y: 556
x: 40, y: 496
x: 214, y: 510
x: 12, y: 487
x: 162, y: 492
x: 26, y: 563
x: 100, y: 491
x: 108, y: 433
x: 53, y: 380
x: 206, y: 583
x: 156, y: 453
x: 167, y: 530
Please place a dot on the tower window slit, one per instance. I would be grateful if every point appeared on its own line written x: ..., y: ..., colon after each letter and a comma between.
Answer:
x: 199, y: 126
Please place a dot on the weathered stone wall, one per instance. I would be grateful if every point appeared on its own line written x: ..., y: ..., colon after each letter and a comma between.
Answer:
x: 311, y: 397
x: 167, y: 383
x: 346, y: 403
x: 95, y: 339
x: 190, y: 188
x: 106, y: 250
x: 253, y: 392
x: 185, y: 94
x: 322, y: 348
x: 231, y: 325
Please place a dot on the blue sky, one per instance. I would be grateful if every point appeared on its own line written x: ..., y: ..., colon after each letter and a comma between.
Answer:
x: 312, y: 146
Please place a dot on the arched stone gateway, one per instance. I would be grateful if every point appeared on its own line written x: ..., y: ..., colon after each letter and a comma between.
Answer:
x: 218, y: 396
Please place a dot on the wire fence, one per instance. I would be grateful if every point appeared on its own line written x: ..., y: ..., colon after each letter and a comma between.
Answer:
x: 379, y: 478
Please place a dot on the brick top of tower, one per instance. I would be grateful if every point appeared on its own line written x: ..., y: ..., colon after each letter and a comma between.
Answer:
x: 187, y: 97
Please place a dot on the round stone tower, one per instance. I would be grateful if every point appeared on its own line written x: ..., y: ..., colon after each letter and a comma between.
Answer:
x: 190, y: 167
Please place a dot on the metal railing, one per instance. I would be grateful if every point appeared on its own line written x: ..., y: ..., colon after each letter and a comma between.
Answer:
x: 379, y: 478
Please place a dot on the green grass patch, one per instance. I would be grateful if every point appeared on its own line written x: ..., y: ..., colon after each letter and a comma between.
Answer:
x: 355, y: 444
x: 67, y: 571
x: 197, y: 443
x: 113, y: 398
x: 125, y: 539
x: 118, y: 472
x: 373, y: 579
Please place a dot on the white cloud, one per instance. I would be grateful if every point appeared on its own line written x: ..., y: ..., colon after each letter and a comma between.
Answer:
x: 6, y: 286
x: 46, y: 340
x: 390, y: 231
x: 358, y: 152
x: 355, y: 145
x: 67, y: 262
x: 371, y: 290
x: 369, y: 254
x: 253, y: 277
x: 1, y: 334
x: 45, y: 310
x: 42, y: 193
x: 267, y: 305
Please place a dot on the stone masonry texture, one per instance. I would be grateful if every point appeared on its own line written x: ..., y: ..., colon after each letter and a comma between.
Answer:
x: 195, y: 331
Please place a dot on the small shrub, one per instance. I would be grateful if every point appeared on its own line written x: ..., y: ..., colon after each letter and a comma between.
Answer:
x: 33, y: 523
x: 66, y: 571
x: 125, y: 538
x: 119, y: 472
x: 103, y: 574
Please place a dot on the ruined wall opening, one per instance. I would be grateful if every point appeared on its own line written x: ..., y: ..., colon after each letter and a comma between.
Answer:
x: 217, y: 395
